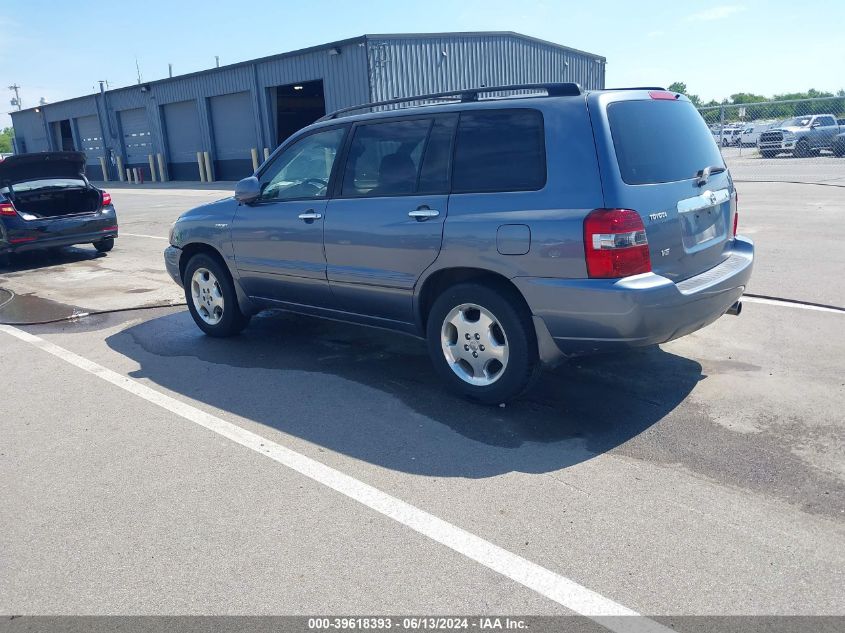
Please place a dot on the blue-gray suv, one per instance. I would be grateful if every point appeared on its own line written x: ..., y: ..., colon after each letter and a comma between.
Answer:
x: 508, y: 232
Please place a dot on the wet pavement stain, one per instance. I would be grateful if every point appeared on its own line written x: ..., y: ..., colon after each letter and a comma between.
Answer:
x: 18, y: 309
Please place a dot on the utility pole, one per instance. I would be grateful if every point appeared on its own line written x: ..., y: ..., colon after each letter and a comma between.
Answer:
x: 170, y: 70
x: 217, y: 61
x: 15, y: 88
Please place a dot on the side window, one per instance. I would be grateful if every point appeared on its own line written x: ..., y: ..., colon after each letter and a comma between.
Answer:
x: 303, y: 169
x: 437, y: 160
x: 828, y: 120
x: 384, y: 158
x: 499, y: 150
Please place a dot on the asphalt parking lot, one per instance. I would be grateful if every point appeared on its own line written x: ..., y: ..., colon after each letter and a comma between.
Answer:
x: 312, y: 467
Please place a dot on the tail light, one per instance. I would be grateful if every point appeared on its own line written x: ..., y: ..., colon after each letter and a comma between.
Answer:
x: 106, y: 198
x: 736, y: 214
x: 7, y: 209
x: 615, y: 244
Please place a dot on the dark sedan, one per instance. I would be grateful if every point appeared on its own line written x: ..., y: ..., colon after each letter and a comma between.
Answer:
x: 46, y: 202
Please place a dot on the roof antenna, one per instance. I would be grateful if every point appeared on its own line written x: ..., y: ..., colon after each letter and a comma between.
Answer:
x: 138, y: 69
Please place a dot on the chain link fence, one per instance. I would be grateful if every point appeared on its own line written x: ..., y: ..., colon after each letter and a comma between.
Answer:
x: 782, y: 141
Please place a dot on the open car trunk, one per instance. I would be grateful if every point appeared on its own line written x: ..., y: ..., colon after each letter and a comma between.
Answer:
x: 48, y: 184
x: 53, y: 201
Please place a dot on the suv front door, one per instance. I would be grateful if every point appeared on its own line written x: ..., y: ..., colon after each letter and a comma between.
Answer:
x: 385, y: 226
x: 278, y: 239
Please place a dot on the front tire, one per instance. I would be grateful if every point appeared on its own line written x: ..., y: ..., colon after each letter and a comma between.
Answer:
x: 211, y: 298
x: 104, y: 245
x: 768, y: 153
x: 802, y: 149
x: 482, y: 342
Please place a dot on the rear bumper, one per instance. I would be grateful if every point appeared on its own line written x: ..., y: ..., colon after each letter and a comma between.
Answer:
x: 18, y: 244
x: 584, y: 316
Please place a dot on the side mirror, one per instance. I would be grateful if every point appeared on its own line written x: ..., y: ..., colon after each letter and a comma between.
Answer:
x: 247, y: 190
x: 816, y: 124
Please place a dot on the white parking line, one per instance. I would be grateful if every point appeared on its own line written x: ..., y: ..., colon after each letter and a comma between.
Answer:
x: 553, y: 586
x: 790, y: 304
x: 152, y: 237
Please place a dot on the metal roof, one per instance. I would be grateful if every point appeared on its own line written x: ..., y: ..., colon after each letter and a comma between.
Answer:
x: 362, y: 39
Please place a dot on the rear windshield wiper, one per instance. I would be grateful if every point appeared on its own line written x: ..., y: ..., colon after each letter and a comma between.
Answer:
x: 703, y: 175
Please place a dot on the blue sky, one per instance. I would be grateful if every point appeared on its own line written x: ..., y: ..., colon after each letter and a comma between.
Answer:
x: 59, y: 49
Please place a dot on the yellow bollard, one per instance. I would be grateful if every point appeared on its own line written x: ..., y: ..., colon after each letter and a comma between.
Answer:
x: 209, y: 172
x: 152, y: 167
x: 103, y: 167
x: 254, y: 153
x: 162, y: 174
x: 201, y: 166
x: 120, y: 173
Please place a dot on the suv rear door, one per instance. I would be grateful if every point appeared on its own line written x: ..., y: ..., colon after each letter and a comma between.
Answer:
x: 651, y: 145
x: 384, y: 226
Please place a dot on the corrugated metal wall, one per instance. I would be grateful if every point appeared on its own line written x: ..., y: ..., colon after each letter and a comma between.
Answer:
x: 407, y: 66
x: 353, y: 72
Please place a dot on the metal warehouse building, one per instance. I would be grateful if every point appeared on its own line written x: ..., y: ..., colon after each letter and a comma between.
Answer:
x: 232, y: 111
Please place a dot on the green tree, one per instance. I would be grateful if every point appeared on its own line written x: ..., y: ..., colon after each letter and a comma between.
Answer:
x: 6, y: 140
x: 680, y: 86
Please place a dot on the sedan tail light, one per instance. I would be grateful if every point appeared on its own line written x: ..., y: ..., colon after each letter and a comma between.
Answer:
x: 615, y: 244
x: 7, y: 209
x: 106, y: 198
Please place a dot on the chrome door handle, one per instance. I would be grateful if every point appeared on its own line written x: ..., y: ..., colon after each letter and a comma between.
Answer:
x: 420, y: 215
x: 310, y: 216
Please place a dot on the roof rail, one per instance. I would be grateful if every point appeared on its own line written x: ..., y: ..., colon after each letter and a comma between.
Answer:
x: 466, y: 95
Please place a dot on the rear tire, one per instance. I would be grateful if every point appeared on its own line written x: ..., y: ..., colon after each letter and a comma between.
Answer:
x: 211, y: 298
x: 104, y: 245
x: 839, y: 150
x: 482, y: 342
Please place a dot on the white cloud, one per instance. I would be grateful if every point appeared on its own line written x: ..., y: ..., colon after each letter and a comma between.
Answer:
x: 715, y: 13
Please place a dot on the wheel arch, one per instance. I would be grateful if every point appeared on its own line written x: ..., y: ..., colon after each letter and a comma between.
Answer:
x: 438, y: 281
x: 195, y: 248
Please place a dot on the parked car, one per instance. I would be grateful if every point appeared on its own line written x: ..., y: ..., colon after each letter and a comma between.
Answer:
x: 46, y: 202
x: 800, y: 136
x: 751, y: 132
x: 727, y: 135
x: 839, y: 144
x: 508, y: 232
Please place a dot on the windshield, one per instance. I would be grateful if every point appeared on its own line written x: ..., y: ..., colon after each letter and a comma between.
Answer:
x: 660, y: 141
x: 798, y: 121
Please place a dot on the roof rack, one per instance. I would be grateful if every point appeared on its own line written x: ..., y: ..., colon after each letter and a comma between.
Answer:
x: 466, y: 95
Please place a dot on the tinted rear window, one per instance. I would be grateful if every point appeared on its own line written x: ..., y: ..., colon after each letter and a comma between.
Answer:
x: 660, y: 141
x: 499, y: 150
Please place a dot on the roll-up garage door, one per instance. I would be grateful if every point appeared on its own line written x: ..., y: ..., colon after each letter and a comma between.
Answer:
x: 233, y: 123
x: 184, y: 140
x: 91, y: 142
x: 137, y: 139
